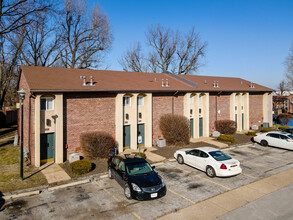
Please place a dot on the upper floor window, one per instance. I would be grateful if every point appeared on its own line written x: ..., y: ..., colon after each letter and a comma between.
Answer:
x: 200, y: 98
x: 47, y: 104
x: 140, y: 100
x: 191, y: 99
x: 126, y: 101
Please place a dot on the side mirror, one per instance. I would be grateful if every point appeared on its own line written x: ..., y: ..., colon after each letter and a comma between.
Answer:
x: 153, y: 167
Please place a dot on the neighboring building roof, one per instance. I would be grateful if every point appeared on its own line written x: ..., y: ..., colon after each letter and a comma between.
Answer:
x: 54, y: 79
x: 206, y: 83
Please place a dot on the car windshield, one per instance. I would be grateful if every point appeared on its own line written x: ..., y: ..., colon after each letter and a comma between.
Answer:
x: 219, y: 155
x: 138, y: 168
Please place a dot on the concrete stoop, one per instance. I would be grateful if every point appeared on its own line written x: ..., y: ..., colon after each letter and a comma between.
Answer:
x: 54, y: 173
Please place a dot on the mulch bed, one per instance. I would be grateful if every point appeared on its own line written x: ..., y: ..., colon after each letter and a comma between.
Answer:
x: 98, y: 166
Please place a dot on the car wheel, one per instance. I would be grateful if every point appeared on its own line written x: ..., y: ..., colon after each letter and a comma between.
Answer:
x: 210, y: 172
x: 264, y: 143
x: 127, y: 191
x: 180, y: 159
x: 110, y: 173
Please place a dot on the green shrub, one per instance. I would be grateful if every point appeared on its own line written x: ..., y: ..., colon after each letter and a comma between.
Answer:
x: 264, y: 130
x: 283, y: 127
x: 81, y: 167
x: 175, y: 129
x: 252, y: 133
x: 227, y: 138
x: 96, y: 144
x: 226, y: 126
x: 142, y: 155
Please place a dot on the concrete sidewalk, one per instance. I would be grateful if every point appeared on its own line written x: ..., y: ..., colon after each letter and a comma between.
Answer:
x: 231, y: 200
x: 209, y: 140
x: 54, y: 173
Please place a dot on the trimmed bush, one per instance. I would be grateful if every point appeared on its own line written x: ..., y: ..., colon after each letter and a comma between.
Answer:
x: 264, y: 130
x: 283, y: 127
x: 227, y: 138
x: 252, y: 133
x: 142, y: 155
x: 81, y: 167
x: 175, y: 129
x: 284, y: 119
x: 96, y: 144
x: 226, y: 126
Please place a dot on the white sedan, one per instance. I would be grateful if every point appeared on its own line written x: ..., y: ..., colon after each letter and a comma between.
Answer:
x: 209, y: 159
x: 275, y: 138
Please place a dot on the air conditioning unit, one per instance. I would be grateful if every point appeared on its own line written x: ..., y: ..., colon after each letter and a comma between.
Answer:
x: 265, y: 125
x: 74, y: 157
x: 161, y: 142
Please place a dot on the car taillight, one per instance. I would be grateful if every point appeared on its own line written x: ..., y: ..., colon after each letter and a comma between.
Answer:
x: 255, y: 135
x: 223, y: 167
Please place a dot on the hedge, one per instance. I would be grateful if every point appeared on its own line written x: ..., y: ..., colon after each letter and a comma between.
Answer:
x: 227, y: 138
x: 81, y: 167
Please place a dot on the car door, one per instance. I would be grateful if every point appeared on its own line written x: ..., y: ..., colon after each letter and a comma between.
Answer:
x: 120, y: 175
x: 285, y: 142
x: 273, y: 139
x: 201, y: 160
x: 190, y: 158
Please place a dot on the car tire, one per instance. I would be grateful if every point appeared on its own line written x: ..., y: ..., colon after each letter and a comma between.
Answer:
x: 264, y: 143
x: 110, y: 173
x: 210, y: 172
x: 180, y: 159
x: 127, y: 191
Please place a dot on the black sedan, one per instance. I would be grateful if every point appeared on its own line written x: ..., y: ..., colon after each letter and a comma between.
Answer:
x: 137, y: 177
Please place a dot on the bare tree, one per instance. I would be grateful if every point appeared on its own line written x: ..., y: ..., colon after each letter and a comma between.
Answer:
x: 11, y: 46
x: 282, y: 87
x: 133, y: 60
x: 171, y: 52
x: 13, y: 12
x: 84, y: 36
x: 41, y: 47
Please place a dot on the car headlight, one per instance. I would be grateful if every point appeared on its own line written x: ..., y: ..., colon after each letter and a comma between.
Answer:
x: 163, y: 184
x: 135, y: 187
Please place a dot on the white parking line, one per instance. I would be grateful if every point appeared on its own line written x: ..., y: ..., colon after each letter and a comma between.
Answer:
x: 118, y: 200
x: 181, y: 196
x: 198, y: 175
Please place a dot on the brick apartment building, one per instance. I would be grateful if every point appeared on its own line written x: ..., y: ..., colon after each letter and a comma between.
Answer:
x: 61, y: 104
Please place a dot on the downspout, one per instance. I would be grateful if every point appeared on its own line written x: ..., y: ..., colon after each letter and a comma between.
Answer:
x: 217, y: 105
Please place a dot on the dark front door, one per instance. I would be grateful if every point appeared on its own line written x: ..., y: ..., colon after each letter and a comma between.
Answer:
x: 200, y: 127
x: 242, y: 121
x: 191, y: 128
x: 140, y: 132
x: 126, y: 137
x: 47, y: 147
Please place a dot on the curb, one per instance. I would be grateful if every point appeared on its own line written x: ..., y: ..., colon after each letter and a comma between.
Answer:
x: 69, y: 184
x: 15, y: 196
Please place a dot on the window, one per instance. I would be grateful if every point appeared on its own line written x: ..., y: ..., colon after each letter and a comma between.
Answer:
x: 235, y: 108
x: 199, y: 110
x: 191, y: 99
x: 273, y: 135
x: 121, y: 166
x: 191, y: 111
x: 203, y: 154
x: 200, y: 98
x: 47, y: 104
x: 126, y: 101
x: 127, y: 116
x: 140, y: 100
x: 140, y: 115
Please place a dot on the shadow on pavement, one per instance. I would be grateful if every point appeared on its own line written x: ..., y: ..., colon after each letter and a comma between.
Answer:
x: 2, y: 202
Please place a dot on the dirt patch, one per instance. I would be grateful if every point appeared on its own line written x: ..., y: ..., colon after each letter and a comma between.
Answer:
x: 168, y: 151
x: 194, y: 186
x: 167, y: 170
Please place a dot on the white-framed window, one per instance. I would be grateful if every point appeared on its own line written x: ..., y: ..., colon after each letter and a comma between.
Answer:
x: 191, y: 99
x: 47, y: 104
x: 126, y: 101
x: 200, y: 98
x: 140, y: 100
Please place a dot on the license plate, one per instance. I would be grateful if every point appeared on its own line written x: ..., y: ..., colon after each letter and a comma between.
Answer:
x: 154, y: 195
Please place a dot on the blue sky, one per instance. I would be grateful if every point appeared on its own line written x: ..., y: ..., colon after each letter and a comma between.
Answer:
x: 249, y: 39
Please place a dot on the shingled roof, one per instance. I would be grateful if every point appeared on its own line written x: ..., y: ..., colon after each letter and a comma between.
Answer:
x: 54, y: 79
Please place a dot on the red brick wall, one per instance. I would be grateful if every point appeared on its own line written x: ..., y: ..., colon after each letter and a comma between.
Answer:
x: 86, y: 113
x: 28, y: 120
x: 221, y: 103
x: 162, y: 105
x: 255, y: 109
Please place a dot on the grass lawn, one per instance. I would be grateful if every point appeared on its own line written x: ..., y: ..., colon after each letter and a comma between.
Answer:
x: 9, y: 171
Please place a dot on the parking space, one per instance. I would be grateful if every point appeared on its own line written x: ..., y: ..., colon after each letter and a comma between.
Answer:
x: 104, y: 198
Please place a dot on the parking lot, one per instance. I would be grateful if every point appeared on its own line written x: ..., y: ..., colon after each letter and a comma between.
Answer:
x: 104, y: 198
